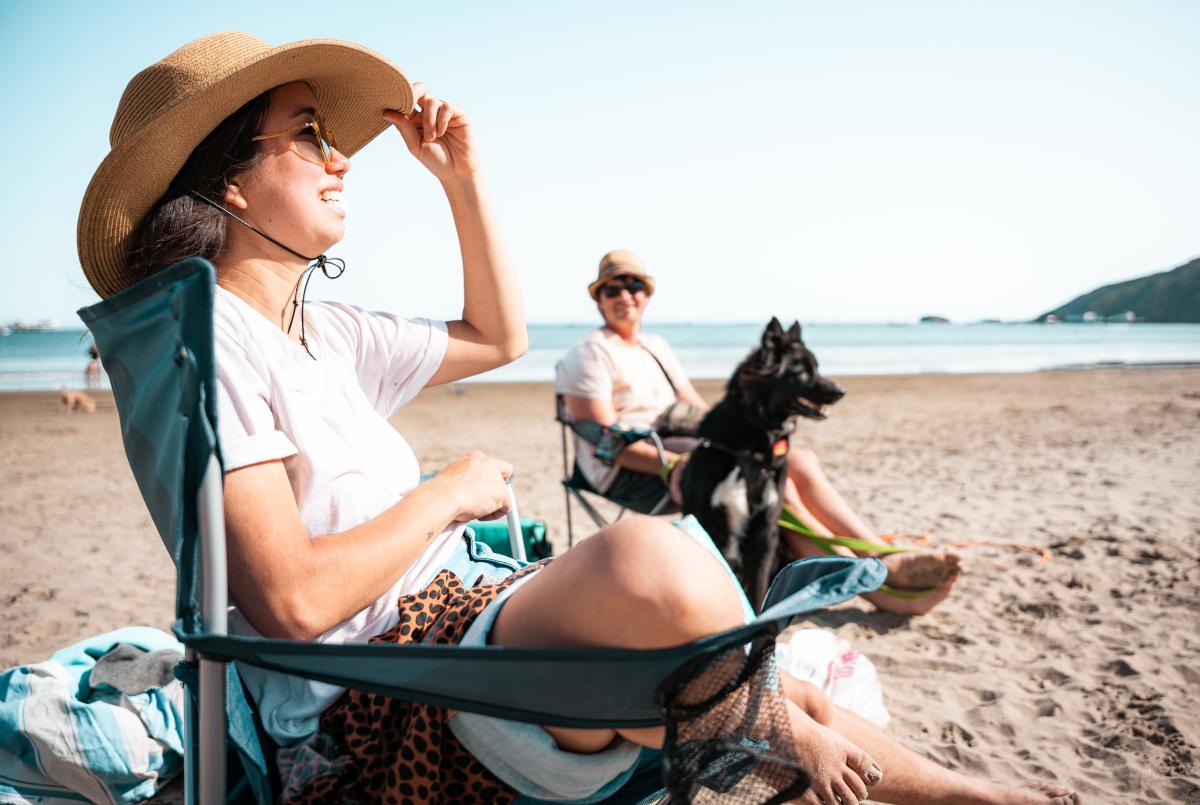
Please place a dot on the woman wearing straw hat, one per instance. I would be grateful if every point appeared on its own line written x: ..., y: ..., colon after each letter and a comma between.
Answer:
x: 226, y: 149
x: 618, y: 372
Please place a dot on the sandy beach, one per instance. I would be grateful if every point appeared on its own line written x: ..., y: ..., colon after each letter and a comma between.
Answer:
x: 1084, y: 670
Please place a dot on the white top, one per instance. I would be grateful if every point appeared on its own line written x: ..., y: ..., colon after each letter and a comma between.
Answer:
x: 327, y: 420
x: 604, y: 367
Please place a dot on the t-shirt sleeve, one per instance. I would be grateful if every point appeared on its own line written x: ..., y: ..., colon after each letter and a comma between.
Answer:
x: 585, y: 371
x: 394, y: 357
x: 245, y: 422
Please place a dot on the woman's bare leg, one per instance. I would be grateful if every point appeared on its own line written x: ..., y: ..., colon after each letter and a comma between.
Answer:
x: 810, y: 494
x: 611, y: 591
x: 824, y: 502
x: 798, y: 545
x: 912, y: 779
x: 907, y: 776
x: 829, y: 514
x: 641, y: 583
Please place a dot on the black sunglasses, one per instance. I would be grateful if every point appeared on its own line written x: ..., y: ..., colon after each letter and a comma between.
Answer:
x: 611, y: 290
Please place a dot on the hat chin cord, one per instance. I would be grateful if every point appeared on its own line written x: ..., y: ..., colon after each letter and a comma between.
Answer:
x: 331, y: 267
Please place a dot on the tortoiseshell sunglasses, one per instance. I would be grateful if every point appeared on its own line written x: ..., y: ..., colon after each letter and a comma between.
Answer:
x: 315, y: 143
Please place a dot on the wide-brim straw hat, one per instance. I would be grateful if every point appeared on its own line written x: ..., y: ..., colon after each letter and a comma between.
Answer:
x: 620, y: 263
x: 172, y: 105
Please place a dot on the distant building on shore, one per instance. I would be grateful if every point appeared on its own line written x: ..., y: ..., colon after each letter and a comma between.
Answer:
x: 22, y: 326
x: 1091, y: 317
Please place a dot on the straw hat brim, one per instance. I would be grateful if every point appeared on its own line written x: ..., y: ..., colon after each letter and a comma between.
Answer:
x: 354, y: 85
x: 620, y: 270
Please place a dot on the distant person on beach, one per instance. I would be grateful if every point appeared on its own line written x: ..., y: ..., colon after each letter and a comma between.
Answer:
x: 332, y: 536
x: 91, y: 372
x: 618, y: 373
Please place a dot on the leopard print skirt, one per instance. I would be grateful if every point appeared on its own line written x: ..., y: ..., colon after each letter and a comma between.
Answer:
x: 379, y: 749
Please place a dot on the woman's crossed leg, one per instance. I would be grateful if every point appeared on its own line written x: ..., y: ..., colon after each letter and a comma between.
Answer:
x: 641, y: 583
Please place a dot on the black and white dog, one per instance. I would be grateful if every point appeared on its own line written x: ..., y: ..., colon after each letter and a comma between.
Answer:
x: 733, y: 482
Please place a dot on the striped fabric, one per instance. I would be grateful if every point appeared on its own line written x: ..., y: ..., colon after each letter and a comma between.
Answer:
x: 63, y: 741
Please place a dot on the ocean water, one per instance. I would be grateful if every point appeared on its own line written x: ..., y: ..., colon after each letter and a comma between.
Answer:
x: 49, y: 360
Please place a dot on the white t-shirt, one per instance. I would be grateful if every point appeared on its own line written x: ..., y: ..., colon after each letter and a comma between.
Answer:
x: 604, y: 367
x: 327, y: 420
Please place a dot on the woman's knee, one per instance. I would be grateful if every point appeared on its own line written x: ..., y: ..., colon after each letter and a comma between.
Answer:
x: 664, y: 574
x: 803, y: 461
x: 638, y: 583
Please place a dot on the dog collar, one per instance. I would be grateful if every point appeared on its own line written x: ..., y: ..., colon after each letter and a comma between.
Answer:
x: 779, y: 449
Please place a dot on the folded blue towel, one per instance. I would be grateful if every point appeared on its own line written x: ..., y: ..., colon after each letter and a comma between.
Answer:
x: 63, y: 740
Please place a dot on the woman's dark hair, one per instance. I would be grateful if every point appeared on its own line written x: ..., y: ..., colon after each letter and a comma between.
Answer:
x: 180, y: 225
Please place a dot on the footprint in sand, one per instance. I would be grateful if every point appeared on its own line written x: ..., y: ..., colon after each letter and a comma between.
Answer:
x: 955, y: 734
x: 36, y: 592
x: 1048, y: 708
x: 1051, y: 677
x: 1132, y: 721
x: 1120, y: 668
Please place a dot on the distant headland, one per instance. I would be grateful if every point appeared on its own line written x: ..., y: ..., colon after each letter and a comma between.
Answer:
x: 1167, y: 297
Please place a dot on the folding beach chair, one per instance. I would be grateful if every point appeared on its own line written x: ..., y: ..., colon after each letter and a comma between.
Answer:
x: 156, y: 339
x: 575, y: 483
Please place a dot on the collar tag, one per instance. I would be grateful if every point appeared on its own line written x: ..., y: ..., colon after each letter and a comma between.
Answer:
x: 780, y: 448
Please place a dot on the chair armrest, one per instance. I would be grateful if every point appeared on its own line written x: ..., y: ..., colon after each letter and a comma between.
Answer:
x: 608, y: 439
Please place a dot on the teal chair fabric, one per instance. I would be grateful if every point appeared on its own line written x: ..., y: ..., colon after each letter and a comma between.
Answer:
x: 494, y: 534
x: 576, y: 485
x: 156, y: 342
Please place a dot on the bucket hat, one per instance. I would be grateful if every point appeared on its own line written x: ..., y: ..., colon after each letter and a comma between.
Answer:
x: 620, y: 263
x: 172, y: 105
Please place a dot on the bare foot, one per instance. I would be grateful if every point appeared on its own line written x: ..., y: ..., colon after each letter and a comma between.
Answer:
x: 839, y: 771
x: 920, y: 569
x: 913, y: 606
x: 1028, y: 794
x: 1045, y: 794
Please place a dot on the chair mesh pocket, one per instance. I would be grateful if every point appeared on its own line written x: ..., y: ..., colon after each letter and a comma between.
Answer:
x: 728, y: 736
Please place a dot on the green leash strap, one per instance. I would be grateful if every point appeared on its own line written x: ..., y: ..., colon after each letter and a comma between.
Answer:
x: 909, y: 594
x: 846, y: 542
x: 791, y: 522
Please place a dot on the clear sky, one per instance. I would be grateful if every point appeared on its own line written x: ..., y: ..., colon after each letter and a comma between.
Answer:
x: 848, y: 161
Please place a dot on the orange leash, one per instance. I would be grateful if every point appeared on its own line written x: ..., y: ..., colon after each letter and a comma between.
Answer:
x: 1043, y: 554
x: 923, y: 540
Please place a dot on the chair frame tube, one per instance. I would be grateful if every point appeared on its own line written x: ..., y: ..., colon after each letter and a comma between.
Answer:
x: 566, y: 490
x: 516, y: 537
x: 191, y: 720
x: 214, y: 598
x: 591, y: 511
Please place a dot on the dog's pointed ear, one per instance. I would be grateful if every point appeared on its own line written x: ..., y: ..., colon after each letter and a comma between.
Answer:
x: 794, y: 331
x: 772, y: 333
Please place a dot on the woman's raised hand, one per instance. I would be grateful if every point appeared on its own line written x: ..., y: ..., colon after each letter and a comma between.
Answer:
x: 438, y: 134
x: 479, y: 485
